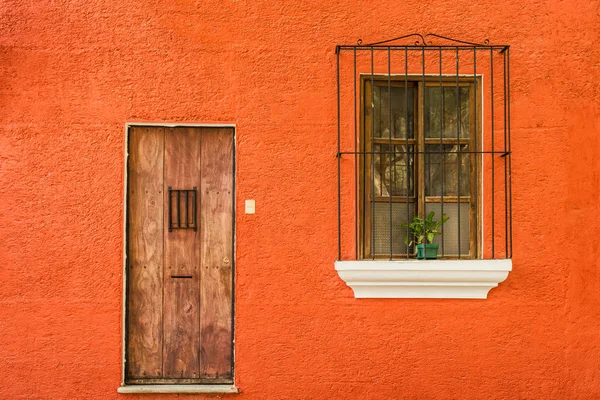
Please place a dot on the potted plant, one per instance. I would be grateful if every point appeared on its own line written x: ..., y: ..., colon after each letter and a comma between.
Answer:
x: 423, y: 231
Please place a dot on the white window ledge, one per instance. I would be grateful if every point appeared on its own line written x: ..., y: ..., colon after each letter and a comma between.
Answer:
x: 137, y: 389
x: 425, y: 279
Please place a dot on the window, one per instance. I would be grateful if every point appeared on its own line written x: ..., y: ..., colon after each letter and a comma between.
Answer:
x: 423, y: 125
x: 418, y: 134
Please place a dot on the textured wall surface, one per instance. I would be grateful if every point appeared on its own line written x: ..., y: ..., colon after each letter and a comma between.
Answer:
x: 72, y: 74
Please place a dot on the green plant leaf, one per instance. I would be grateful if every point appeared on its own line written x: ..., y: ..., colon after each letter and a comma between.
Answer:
x: 423, y: 229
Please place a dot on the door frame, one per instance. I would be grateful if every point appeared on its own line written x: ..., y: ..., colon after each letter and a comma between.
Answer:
x: 129, y: 125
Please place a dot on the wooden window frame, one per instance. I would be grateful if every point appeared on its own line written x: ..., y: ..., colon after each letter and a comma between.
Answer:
x: 475, y: 141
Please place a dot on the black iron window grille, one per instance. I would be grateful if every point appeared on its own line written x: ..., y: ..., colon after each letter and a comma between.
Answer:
x: 182, y: 209
x: 424, y: 127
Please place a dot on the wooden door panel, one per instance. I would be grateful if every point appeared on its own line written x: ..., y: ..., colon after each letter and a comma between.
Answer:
x: 180, y: 280
x: 145, y: 252
x: 182, y: 260
x: 216, y: 254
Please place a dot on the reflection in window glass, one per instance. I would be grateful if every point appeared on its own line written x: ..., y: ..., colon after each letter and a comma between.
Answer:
x: 446, y: 175
x: 391, y: 174
x: 402, y: 120
x: 445, y: 122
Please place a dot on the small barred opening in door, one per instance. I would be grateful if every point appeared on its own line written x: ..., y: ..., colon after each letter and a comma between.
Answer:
x: 179, y: 255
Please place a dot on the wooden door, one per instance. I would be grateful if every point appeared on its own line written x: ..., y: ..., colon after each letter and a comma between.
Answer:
x: 179, y: 255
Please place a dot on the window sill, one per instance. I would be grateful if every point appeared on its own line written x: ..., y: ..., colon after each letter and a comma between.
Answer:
x: 138, y: 389
x: 424, y: 279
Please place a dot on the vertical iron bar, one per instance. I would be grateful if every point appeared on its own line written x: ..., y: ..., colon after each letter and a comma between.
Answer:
x: 424, y: 156
x: 390, y: 148
x: 442, y: 113
x: 493, y: 155
x: 356, y: 217
x: 459, y: 156
x: 187, y: 207
x: 509, y: 157
x: 406, y: 126
x: 363, y: 148
x: 475, y: 180
x: 178, y: 204
x: 194, y: 216
x: 170, y: 216
x: 372, y: 156
x: 505, y: 160
x: 379, y: 107
x: 339, y: 157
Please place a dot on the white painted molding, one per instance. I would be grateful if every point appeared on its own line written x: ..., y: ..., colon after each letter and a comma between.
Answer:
x: 136, y: 389
x: 425, y: 279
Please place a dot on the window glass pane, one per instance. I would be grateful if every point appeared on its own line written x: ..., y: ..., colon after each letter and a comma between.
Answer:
x: 445, y: 122
x: 391, y: 175
x: 441, y: 169
x: 402, y: 120
x: 451, y: 228
x: 381, y: 227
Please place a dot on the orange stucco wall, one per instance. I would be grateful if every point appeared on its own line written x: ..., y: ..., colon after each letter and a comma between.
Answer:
x: 72, y: 74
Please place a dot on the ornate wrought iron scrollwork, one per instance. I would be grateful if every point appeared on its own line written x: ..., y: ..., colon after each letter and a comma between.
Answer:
x: 426, y: 40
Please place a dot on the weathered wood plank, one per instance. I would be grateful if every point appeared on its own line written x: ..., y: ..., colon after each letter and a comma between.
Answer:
x: 216, y: 226
x: 145, y: 252
x: 182, y: 257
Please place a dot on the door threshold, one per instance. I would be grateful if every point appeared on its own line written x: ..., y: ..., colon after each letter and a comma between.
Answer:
x: 137, y: 389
